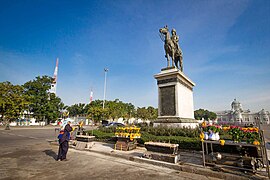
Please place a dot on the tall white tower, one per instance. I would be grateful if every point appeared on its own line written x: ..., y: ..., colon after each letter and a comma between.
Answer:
x: 54, y: 83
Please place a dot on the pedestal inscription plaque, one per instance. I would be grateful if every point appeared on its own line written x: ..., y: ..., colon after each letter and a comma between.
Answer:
x: 167, y: 95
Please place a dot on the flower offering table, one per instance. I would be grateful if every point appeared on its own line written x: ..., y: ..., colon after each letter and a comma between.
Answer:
x: 237, y: 147
x: 126, y: 138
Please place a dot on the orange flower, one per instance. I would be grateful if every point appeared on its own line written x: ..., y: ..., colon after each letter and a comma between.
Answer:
x: 256, y: 143
x: 203, y: 124
x: 226, y: 128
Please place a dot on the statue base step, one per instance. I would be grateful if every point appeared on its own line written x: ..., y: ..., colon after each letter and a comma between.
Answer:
x: 176, y: 122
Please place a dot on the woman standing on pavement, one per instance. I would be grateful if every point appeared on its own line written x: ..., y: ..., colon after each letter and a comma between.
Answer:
x: 63, y: 143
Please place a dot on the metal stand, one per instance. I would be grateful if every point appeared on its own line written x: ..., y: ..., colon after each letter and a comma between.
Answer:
x: 240, y: 157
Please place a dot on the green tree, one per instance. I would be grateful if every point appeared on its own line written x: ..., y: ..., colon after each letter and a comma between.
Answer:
x: 202, y: 113
x: 116, y: 109
x: 113, y: 109
x: 13, y: 102
x: 130, y: 111
x: 142, y: 113
x: 97, y: 113
x: 43, y: 104
x: 149, y: 113
x: 78, y: 109
x: 54, y: 107
x: 153, y: 113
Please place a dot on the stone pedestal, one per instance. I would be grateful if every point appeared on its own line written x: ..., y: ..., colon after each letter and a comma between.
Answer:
x: 175, y: 99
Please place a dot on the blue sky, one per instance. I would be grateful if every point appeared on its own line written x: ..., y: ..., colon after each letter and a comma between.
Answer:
x: 226, y: 48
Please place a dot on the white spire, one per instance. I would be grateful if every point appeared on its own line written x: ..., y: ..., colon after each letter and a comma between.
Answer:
x: 54, y: 83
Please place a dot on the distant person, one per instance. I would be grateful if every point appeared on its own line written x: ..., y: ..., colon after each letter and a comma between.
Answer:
x: 80, y: 125
x: 64, y: 137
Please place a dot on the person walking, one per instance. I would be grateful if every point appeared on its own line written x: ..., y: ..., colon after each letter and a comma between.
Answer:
x: 63, y: 142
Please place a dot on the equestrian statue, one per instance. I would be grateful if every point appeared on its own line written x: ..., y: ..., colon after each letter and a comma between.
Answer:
x: 171, y: 47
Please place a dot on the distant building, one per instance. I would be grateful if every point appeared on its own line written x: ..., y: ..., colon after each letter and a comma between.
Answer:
x: 240, y: 116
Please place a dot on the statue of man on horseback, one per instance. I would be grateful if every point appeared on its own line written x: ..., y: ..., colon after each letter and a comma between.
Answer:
x: 171, y: 46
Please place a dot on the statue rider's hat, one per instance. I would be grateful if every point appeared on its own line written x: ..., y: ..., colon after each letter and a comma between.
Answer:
x: 173, y: 30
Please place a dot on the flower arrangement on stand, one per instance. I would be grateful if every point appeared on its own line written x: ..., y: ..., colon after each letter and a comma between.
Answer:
x: 128, y: 132
x: 214, y: 132
x: 237, y: 133
x: 249, y: 134
x: 210, y: 132
x: 204, y: 129
x: 252, y: 135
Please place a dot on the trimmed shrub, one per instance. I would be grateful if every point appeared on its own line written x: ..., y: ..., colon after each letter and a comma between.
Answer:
x: 110, y: 129
x: 184, y: 142
x: 102, y: 136
x: 166, y: 131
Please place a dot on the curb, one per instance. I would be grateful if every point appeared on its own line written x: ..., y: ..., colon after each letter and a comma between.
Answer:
x: 189, y: 168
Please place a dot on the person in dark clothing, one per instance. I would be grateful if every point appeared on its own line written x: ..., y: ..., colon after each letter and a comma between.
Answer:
x: 63, y: 143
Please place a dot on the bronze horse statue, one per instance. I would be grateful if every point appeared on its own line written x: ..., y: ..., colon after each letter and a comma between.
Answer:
x: 171, y: 49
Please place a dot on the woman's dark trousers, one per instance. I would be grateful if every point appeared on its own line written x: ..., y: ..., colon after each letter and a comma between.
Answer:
x: 63, y: 149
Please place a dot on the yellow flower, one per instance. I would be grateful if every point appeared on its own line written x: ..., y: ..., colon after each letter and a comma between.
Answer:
x: 131, y: 136
x: 203, y: 124
x: 202, y: 140
x: 202, y: 135
x: 222, y: 142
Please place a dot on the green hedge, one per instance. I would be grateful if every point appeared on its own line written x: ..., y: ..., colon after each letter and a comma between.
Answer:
x: 168, y: 131
x: 101, y: 135
x: 110, y: 129
x: 184, y: 142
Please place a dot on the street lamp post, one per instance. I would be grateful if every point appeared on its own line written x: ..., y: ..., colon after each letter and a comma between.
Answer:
x: 104, y: 95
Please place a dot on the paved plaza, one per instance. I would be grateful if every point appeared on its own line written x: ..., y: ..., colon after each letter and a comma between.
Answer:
x: 29, y: 153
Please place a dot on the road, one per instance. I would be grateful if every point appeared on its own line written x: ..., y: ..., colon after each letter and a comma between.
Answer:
x: 27, y: 154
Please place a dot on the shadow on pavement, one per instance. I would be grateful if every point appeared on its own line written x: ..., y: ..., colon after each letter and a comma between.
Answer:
x: 51, y: 153
x: 109, y: 145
